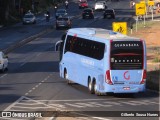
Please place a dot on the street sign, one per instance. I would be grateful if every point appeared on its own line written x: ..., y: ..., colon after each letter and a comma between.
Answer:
x: 140, y: 9
x: 144, y: 2
x: 120, y: 27
x: 151, y: 3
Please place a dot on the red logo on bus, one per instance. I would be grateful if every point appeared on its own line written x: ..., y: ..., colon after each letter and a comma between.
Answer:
x: 126, y: 75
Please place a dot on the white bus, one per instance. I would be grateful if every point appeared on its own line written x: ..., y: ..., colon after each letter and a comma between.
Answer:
x: 103, y: 60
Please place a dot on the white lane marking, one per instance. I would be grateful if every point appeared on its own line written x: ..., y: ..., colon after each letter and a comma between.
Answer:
x: 29, y: 107
x: 86, y: 104
x: 30, y: 104
x: 13, y: 104
x: 3, y: 75
x: 84, y: 118
x: 100, y: 118
x: 30, y: 91
x: 73, y: 105
x: 51, y: 118
x: 23, y: 64
x: 28, y: 99
x: 85, y: 100
x: 33, y: 101
x: 58, y: 105
x: 33, y: 88
x: 37, y: 86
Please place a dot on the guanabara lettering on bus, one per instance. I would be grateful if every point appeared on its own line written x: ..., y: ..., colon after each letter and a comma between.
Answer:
x: 103, y: 60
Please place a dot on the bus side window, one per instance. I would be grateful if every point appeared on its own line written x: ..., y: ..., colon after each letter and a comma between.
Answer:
x: 62, y: 44
x: 67, y: 44
x: 63, y: 37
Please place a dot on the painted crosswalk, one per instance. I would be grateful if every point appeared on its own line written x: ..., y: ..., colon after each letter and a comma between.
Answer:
x: 28, y: 105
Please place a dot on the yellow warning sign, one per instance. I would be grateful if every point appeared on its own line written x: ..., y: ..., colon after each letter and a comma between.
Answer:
x: 120, y: 27
x: 143, y: 2
x: 151, y: 3
x: 140, y: 9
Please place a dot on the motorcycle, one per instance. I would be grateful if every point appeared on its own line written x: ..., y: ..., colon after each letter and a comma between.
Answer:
x: 47, y: 17
x: 55, y: 8
x: 66, y: 4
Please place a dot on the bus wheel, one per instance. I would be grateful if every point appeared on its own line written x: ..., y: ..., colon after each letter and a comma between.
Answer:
x: 95, y: 88
x: 66, y: 77
x: 90, y: 86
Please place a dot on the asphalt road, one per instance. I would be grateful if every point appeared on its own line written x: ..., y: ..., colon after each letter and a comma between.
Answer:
x: 32, y: 82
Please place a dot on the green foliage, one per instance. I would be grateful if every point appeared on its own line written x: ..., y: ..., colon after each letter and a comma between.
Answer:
x: 156, y: 59
x: 10, y: 13
x: 26, y: 5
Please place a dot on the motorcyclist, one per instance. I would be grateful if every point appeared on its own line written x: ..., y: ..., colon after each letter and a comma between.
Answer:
x: 132, y: 4
x: 66, y: 4
x: 47, y: 16
x: 55, y: 7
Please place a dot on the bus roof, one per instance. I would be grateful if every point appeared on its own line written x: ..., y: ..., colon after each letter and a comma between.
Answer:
x: 100, y: 33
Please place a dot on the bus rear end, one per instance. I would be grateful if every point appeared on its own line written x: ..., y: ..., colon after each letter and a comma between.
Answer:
x: 127, y: 73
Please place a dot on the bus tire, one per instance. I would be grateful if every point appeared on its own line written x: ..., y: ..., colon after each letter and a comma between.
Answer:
x: 90, y: 86
x: 65, y: 76
x: 95, y: 88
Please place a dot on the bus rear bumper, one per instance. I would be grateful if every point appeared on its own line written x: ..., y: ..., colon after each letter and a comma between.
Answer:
x: 126, y: 89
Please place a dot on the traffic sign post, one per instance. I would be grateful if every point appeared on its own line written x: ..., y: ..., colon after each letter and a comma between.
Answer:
x: 136, y: 23
x: 140, y: 11
x: 150, y: 5
x: 131, y: 26
x: 120, y: 27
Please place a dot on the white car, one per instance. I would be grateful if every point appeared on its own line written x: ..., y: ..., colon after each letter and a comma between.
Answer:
x: 104, y: 2
x: 29, y: 18
x: 3, y: 61
x: 100, y: 6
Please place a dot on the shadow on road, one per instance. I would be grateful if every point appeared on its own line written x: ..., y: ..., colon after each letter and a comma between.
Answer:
x: 39, y: 66
x: 8, y: 98
x: 148, y: 94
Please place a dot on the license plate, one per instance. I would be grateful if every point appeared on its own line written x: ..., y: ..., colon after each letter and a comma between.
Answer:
x: 126, y: 88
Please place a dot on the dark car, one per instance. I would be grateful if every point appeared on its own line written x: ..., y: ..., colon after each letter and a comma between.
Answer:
x: 60, y: 13
x: 88, y: 13
x: 83, y: 4
x: 109, y: 13
x: 63, y: 22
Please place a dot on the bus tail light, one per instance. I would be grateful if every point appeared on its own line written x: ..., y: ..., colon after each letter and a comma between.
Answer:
x: 108, y: 77
x: 144, y: 77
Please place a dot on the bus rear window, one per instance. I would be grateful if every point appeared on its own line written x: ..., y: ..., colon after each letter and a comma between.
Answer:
x: 126, y: 55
